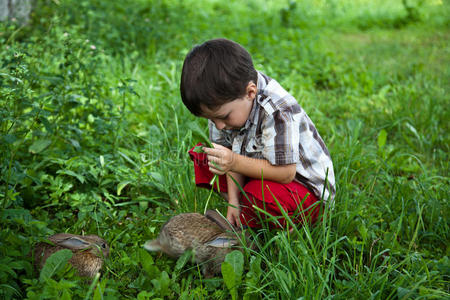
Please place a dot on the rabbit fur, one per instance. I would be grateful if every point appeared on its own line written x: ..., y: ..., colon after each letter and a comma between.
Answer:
x: 210, y: 236
x: 89, y: 252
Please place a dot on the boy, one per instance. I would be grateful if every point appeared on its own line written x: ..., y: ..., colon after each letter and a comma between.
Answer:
x: 258, y: 130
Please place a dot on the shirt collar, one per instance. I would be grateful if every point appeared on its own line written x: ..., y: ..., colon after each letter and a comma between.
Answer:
x: 253, y: 116
x: 263, y: 80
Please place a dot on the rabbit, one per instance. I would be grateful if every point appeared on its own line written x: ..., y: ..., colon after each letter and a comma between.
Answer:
x: 210, y: 236
x: 89, y: 252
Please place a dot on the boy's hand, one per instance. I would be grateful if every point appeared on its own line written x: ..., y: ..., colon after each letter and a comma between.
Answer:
x: 220, y: 159
x: 233, y: 216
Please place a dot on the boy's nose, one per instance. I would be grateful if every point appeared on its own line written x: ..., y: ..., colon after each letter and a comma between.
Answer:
x: 219, y: 124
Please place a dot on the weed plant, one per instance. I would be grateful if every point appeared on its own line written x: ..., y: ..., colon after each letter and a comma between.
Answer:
x: 94, y: 140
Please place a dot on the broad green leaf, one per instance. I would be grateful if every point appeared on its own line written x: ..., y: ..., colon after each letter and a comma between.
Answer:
x: 236, y: 259
x: 165, y: 283
x: 229, y: 277
x: 413, y: 130
x: 145, y: 258
x: 55, y: 263
x: 75, y: 143
x: 66, y: 295
x: 181, y: 262
x: 127, y: 158
x: 39, y: 146
x: 156, y: 176
x: 46, y: 123
x: 73, y: 174
x: 255, y: 266
x: 363, y: 231
x: 162, y: 283
x: 145, y: 295
x: 102, y: 160
x: 382, y: 137
x: 91, y: 118
x: 121, y: 185
x: 252, y: 277
x: 148, y: 264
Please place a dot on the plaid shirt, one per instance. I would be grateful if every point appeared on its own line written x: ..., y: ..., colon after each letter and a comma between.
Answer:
x: 281, y: 132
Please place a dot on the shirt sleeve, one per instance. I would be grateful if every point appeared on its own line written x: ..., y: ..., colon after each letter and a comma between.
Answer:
x: 281, y: 138
x: 217, y: 136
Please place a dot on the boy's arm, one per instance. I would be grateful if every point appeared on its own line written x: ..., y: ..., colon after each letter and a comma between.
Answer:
x: 233, y: 210
x: 253, y: 167
x: 223, y: 160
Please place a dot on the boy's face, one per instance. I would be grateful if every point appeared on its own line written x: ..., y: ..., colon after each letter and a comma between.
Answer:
x: 234, y: 114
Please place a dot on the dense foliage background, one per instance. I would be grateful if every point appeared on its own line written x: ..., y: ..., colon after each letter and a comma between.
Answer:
x: 94, y: 140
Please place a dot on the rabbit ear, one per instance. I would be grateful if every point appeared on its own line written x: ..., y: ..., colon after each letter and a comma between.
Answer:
x: 222, y: 242
x: 74, y: 243
x: 218, y: 219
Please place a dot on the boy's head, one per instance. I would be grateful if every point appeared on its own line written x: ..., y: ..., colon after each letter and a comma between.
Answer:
x: 215, y: 73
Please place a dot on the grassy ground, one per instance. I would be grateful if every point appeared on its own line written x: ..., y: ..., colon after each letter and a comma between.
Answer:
x: 94, y: 140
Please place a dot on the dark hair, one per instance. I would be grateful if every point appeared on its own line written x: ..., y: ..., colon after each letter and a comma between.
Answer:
x: 214, y: 73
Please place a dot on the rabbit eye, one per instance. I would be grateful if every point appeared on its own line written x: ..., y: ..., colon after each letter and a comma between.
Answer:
x: 104, y: 246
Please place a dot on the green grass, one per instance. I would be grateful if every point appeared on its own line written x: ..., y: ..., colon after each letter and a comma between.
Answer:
x: 95, y: 141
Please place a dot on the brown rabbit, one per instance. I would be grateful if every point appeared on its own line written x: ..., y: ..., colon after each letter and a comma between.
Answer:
x: 210, y: 236
x: 88, y: 252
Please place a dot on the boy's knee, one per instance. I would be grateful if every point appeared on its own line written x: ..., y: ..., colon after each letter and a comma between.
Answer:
x: 253, y: 185
x: 255, y: 188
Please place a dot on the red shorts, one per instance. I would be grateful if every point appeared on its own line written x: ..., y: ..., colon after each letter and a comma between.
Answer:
x: 295, y: 199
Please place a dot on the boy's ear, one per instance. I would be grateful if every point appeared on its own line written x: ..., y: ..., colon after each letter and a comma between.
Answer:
x: 252, y: 90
